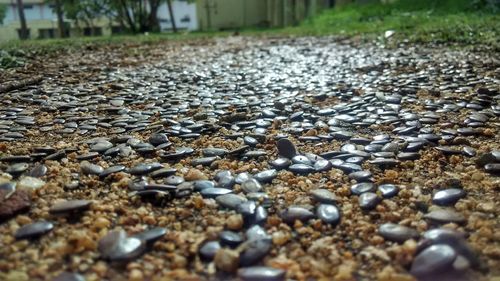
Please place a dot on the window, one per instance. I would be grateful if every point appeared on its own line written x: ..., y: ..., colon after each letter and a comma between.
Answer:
x: 186, y: 18
x: 28, y: 7
x: 46, y: 33
x: 19, y: 33
x: 96, y: 31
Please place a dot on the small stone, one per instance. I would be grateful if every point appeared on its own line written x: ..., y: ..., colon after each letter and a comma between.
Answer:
x: 227, y: 260
x: 70, y: 206
x: 69, y: 276
x: 30, y: 183
x: 397, y: 233
x: 234, y: 222
x: 33, y: 230
x: 433, y: 260
x: 18, y: 202
x: 261, y: 273
x: 195, y: 174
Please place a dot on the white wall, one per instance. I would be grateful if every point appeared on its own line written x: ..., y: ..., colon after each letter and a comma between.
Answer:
x: 37, y: 12
x: 181, y: 9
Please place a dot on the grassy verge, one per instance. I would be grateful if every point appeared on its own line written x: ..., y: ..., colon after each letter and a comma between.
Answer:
x: 464, y: 22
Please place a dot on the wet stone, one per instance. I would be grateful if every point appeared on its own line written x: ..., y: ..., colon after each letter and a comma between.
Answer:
x: 266, y: 176
x: 38, y: 171
x: 388, y: 190
x: 230, y: 201
x: 116, y: 246
x: 368, y: 200
x: 12, y: 203
x: 362, y: 187
x: 251, y: 185
x: 323, y: 196
x: 88, y: 168
x: 280, y: 163
x: 70, y: 206
x: 174, y: 180
x: 445, y: 216
x: 213, y: 192
x: 433, y: 260
x: 33, y: 230
x: 230, y: 239
x: 296, y: 213
x: 329, y: 214
x: 286, y: 148
x: 152, y: 235
x: 208, y: 250
x: 261, y: 273
x: 397, y: 233
x: 18, y: 168
x: 255, y: 251
x: 112, y: 170
x: 448, y: 196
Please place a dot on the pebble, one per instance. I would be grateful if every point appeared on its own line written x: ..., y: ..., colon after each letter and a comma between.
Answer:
x: 433, y: 260
x: 70, y: 206
x: 397, y: 233
x: 261, y: 273
x: 329, y: 214
x: 448, y: 196
x: 30, y: 183
x: 33, y: 230
x: 116, y: 246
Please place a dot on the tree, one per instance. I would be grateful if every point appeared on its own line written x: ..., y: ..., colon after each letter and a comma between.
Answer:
x: 171, y: 13
x: 60, y: 19
x: 138, y: 16
x: 23, y: 33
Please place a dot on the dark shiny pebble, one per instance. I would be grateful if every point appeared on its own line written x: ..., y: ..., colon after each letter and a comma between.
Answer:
x: 151, y: 235
x: 328, y: 213
x: 322, y: 165
x: 116, y: 246
x: 101, y: 146
x: 68, y: 276
x: 397, y: 233
x: 280, y: 163
x: 362, y: 187
x: 450, y: 237
x: 230, y: 200
x: 163, y: 172
x: 384, y: 162
x: 112, y: 170
x: 174, y: 180
x: 250, y: 141
x: 286, y: 148
x: 254, y: 153
x: 7, y: 189
x: 255, y: 251
x: 368, y: 200
x: 199, y: 185
x: 488, y: 158
x: 293, y: 213
x: 261, y: 273
x: 88, y: 168
x: 17, y: 168
x: 33, y: 230
x: 406, y: 156
x: 204, y: 161
x: 144, y: 168
x: 70, y: 206
x: 38, y: 171
x: 447, y: 150
x: 348, y: 167
x: 251, y: 185
x: 433, y: 260
x: 230, y: 238
x: 301, y: 169
x: 15, y: 158
x: 208, y: 250
x: 323, y: 196
x: 388, y: 190
x: 445, y: 216
x: 158, y: 139
x: 361, y: 176
x: 87, y: 156
x: 212, y: 151
x: 266, y: 176
x: 492, y: 168
x: 214, y: 192
x: 302, y: 159
x: 448, y: 196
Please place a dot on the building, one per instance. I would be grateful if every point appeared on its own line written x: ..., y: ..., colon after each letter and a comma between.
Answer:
x: 42, y: 20
x: 236, y: 14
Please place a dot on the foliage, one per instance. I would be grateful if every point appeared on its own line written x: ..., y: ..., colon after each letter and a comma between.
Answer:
x: 3, y: 11
x: 445, y: 21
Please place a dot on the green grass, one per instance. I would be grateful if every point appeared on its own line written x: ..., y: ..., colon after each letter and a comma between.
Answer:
x: 442, y: 21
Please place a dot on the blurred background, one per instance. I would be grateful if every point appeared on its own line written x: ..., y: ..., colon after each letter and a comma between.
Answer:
x: 441, y: 19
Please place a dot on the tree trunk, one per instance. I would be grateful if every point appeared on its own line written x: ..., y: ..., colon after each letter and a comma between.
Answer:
x: 128, y: 17
x: 153, y: 15
x: 60, y: 19
x: 23, y: 34
x: 171, y: 13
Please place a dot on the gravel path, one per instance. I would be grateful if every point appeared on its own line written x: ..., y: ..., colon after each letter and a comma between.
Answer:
x: 251, y: 159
